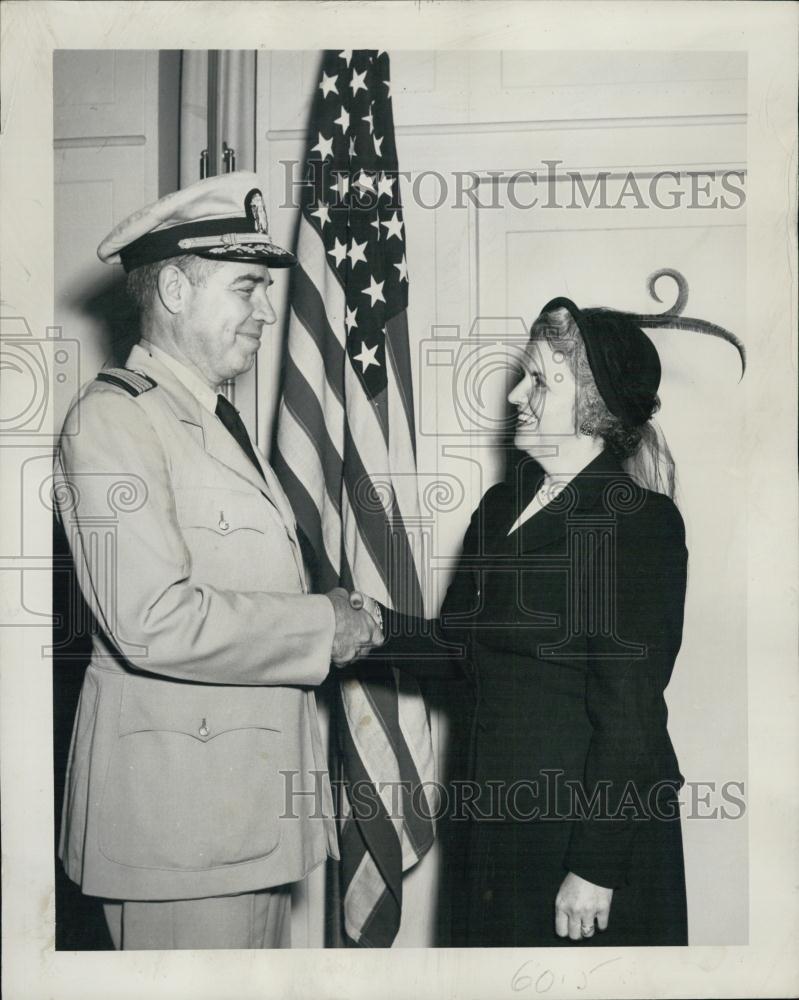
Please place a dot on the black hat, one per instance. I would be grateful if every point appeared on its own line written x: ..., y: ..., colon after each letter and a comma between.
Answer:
x: 624, y: 361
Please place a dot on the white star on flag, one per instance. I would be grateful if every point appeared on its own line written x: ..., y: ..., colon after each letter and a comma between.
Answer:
x: 352, y: 146
x: 349, y: 319
x: 375, y: 290
x: 388, y: 86
x: 402, y: 267
x: 355, y: 252
x: 343, y: 120
x: 322, y: 213
x: 325, y: 146
x: 365, y: 182
x: 378, y: 145
x: 367, y: 356
x: 328, y: 84
x: 370, y: 118
x: 339, y: 251
x: 342, y: 185
x: 393, y: 227
x: 346, y: 55
x: 384, y: 184
x: 357, y: 82
x: 376, y: 224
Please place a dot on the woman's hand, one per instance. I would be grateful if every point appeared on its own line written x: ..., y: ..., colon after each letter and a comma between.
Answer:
x: 578, y: 904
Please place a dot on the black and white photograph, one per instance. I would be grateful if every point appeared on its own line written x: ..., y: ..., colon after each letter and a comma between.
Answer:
x: 399, y: 461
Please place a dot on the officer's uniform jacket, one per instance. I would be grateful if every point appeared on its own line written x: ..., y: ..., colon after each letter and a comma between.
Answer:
x: 196, y: 732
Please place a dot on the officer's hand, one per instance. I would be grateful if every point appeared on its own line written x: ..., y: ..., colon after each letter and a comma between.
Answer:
x: 356, y: 630
x: 578, y: 905
x: 360, y: 600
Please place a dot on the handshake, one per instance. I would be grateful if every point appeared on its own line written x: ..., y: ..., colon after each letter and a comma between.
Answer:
x: 359, y: 625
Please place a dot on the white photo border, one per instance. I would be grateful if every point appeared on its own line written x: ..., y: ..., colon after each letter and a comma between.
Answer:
x: 768, y: 965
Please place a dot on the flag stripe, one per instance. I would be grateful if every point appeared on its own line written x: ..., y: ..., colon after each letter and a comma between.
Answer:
x: 414, y: 724
x: 373, y: 524
x: 371, y: 577
x: 402, y: 446
x: 319, y: 276
x: 397, y: 349
x: 382, y: 696
x: 317, y: 270
x: 365, y: 891
x: 310, y: 310
x: 382, y: 923
x: 405, y: 577
x: 373, y: 744
x: 372, y: 913
x: 368, y: 419
x: 304, y: 349
x: 308, y: 470
x: 402, y: 458
x: 389, y: 761
x: 303, y: 404
x: 309, y: 520
x: 370, y: 820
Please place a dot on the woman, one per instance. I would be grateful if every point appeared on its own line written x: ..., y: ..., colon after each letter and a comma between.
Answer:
x: 568, y: 607
x: 572, y: 648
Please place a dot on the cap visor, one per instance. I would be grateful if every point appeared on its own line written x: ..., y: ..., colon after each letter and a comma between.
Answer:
x: 251, y: 254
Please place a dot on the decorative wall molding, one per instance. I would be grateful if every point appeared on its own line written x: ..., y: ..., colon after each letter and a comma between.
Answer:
x: 98, y: 141
x: 545, y: 125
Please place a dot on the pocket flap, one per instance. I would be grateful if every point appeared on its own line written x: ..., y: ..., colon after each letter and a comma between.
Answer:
x: 222, y: 511
x: 203, y: 711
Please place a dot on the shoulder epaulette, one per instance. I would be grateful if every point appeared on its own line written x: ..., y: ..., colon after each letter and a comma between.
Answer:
x: 125, y: 378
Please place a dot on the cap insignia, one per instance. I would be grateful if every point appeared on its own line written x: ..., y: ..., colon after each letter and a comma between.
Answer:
x: 256, y: 211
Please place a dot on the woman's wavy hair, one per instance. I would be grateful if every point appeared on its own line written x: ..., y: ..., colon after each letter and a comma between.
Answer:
x: 642, y: 450
x: 591, y: 416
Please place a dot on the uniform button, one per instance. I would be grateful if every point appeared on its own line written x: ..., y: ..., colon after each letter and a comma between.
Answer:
x: 203, y: 730
x: 223, y: 524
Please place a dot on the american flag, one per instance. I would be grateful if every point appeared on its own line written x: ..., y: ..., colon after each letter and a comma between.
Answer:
x: 346, y: 457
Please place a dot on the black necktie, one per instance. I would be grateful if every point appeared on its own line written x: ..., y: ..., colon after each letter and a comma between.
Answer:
x: 229, y: 416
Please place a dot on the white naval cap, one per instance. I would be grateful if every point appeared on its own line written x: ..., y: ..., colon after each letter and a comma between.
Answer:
x: 219, y: 218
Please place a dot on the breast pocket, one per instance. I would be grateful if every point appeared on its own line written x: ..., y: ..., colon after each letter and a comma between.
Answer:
x: 193, y: 780
x: 222, y: 512
x: 237, y: 540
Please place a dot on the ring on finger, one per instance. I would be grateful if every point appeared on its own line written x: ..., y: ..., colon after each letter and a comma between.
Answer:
x: 587, y: 931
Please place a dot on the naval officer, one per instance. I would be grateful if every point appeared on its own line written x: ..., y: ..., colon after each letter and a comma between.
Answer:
x: 197, y: 789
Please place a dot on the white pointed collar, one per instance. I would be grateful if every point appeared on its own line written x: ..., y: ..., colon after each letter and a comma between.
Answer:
x: 201, y: 391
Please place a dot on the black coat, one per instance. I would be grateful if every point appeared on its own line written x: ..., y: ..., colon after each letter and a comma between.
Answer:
x: 568, y: 630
